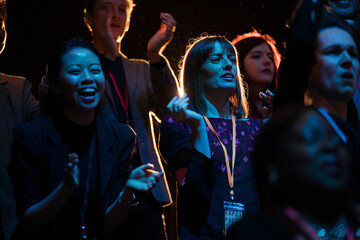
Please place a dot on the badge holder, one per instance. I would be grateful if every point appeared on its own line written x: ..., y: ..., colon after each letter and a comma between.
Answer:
x: 234, y: 212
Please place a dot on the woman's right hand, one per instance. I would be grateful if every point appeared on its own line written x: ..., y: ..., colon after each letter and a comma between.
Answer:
x: 72, y: 171
x: 143, y: 178
x: 179, y: 112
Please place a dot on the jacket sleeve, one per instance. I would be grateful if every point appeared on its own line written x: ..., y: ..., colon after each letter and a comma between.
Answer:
x: 24, y: 170
x: 125, y: 145
x: 164, y: 85
x: 30, y: 104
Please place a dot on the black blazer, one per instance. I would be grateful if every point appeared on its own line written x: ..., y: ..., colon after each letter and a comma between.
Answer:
x: 37, y: 163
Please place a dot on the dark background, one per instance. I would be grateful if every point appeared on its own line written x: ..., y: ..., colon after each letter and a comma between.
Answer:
x: 35, y: 27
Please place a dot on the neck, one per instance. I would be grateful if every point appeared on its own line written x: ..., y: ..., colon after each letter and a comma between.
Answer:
x: 84, y: 118
x: 101, y: 48
x: 336, y: 107
x: 218, y: 107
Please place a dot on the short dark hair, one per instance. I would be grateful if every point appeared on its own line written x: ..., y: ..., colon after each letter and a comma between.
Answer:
x: 328, y: 20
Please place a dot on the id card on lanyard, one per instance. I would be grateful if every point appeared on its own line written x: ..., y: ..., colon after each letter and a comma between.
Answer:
x: 233, y: 211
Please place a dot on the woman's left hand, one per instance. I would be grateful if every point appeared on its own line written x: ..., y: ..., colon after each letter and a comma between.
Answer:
x: 268, y: 98
x: 143, y: 178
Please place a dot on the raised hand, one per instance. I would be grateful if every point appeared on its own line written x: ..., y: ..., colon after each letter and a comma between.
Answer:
x: 72, y: 171
x: 143, y: 178
x: 268, y: 98
x: 179, y: 112
x: 162, y: 37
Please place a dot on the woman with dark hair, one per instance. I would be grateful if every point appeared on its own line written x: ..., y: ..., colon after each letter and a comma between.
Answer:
x: 70, y: 169
x: 207, y: 141
x: 259, y: 61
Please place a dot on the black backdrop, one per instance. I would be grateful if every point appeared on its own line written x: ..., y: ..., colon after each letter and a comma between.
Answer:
x: 35, y: 27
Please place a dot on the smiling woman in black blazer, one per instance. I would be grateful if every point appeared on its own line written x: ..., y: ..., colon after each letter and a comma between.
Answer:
x: 70, y: 169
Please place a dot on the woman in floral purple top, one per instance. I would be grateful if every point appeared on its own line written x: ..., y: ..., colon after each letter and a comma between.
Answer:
x: 211, y: 166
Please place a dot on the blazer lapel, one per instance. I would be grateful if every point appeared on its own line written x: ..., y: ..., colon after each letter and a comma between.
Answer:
x: 107, y: 161
x: 56, y: 152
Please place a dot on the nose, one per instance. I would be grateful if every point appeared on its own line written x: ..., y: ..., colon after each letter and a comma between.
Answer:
x: 115, y: 12
x: 346, y: 60
x: 267, y: 60
x: 87, y: 78
x: 228, y: 65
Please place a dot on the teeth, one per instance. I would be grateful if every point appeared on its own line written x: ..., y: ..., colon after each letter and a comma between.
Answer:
x: 228, y: 75
x: 89, y: 90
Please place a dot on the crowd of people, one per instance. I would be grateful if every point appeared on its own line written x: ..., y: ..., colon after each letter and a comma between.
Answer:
x: 253, y: 145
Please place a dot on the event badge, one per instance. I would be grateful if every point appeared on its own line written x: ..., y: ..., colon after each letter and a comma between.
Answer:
x: 233, y: 213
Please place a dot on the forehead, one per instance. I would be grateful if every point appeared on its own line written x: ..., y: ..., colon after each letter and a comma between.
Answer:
x: 221, y: 48
x: 79, y: 55
x: 263, y: 47
x: 334, y: 36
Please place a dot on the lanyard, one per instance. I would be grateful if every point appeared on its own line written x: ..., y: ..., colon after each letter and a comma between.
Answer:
x: 332, y: 123
x: 86, y: 190
x: 230, y: 172
x: 125, y: 103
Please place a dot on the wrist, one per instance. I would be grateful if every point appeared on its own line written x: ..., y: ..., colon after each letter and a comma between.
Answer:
x: 127, y: 197
x: 68, y: 187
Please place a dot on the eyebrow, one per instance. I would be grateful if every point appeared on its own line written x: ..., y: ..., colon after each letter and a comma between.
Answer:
x: 339, y: 46
x: 258, y: 51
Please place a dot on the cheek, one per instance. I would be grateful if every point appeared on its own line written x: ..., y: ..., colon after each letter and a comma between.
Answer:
x: 68, y: 85
x: 208, y: 73
x: 100, y: 82
x: 251, y: 67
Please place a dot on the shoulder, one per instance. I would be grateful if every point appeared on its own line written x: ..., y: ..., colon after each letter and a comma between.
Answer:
x: 118, y: 130
x: 33, y: 129
x: 15, y: 81
x: 134, y: 61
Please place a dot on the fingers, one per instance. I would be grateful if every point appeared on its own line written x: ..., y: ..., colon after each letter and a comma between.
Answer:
x: 265, y: 112
x: 176, y: 104
x: 269, y: 93
x: 267, y: 96
x: 169, y: 21
x: 72, y: 162
x: 146, y: 167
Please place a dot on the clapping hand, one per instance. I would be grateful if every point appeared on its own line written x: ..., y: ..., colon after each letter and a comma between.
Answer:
x: 143, y: 178
x: 179, y: 112
x: 72, y: 171
x: 162, y: 37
